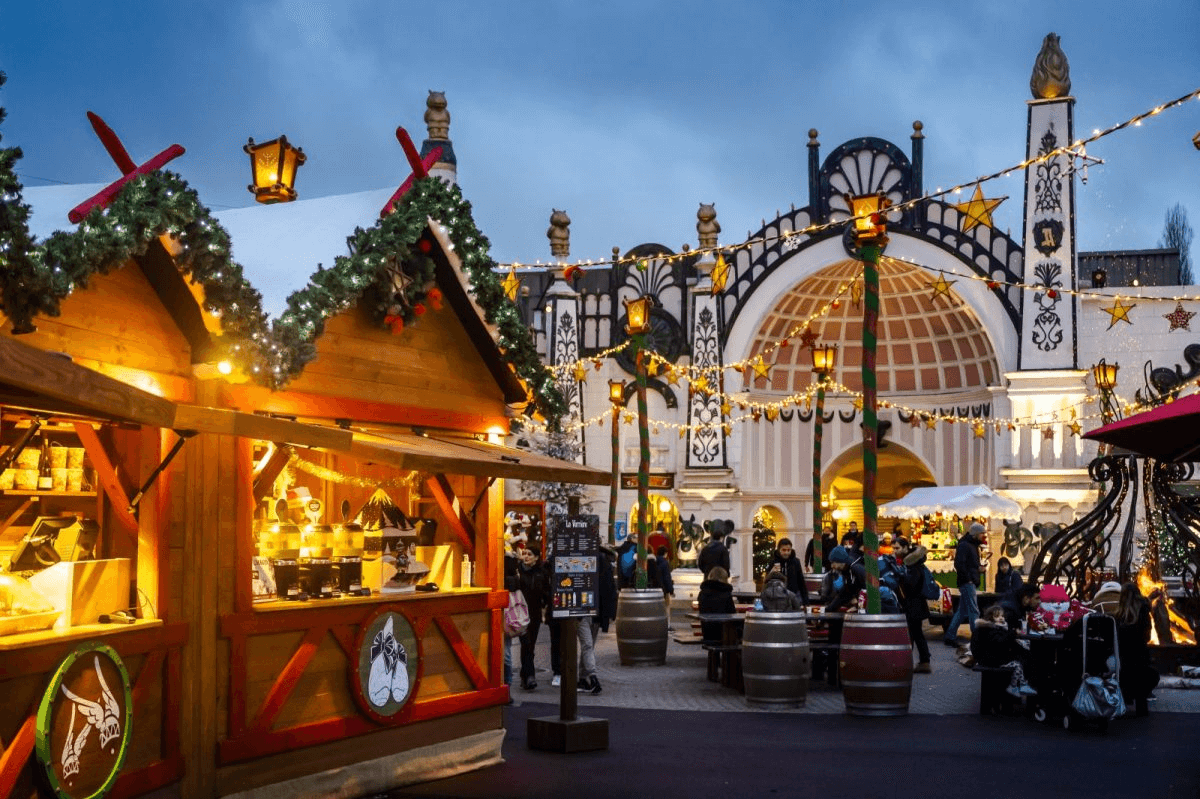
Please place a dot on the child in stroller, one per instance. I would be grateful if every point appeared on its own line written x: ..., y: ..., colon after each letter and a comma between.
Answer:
x: 1088, y: 648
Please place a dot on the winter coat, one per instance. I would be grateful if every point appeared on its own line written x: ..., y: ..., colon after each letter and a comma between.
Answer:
x: 966, y: 560
x: 535, y: 588
x: 714, y: 597
x: 854, y: 579
x: 914, y: 603
x: 664, y: 576
x: 606, y: 593
x: 1138, y: 675
x: 776, y: 597
x: 828, y: 542
x: 1008, y: 583
x: 715, y: 553
x: 993, y: 645
x: 793, y: 574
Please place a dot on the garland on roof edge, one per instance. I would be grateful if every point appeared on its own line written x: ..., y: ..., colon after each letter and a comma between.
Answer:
x: 36, y: 278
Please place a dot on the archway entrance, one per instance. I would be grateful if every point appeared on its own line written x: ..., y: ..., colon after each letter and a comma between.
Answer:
x: 663, y: 522
x: 899, y: 472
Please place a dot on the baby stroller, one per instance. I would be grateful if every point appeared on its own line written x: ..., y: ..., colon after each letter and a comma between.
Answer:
x: 1088, y: 651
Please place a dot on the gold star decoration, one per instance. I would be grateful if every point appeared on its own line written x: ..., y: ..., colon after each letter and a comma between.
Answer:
x: 931, y: 422
x: 511, y: 284
x: 979, y: 430
x: 701, y: 384
x: 1179, y: 318
x: 977, y: 211
x: 672, y: 376
x: 682, y: 432
x: 1076, y: 429
x: 652, y: 368
x: 580, y: 373
x: 1119, y: 312
x: 772, y: 413
x: 941, y: 287
x: 627, y: 417
x: 727, y: 429
x: 761, y: 367
x: 720, y: 275
x: 857, y: 403
x: 726, y: 408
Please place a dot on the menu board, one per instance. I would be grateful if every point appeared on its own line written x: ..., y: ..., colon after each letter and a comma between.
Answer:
x: 574, y: 545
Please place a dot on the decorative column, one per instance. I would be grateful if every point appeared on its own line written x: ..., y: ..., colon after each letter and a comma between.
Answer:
x: 562, y: 324
x: 706, y: 414
x: 437, y: 122
x: 1048, y: 311
x: 616, y: 395
x: 823, y: 362
x: 637, y: 314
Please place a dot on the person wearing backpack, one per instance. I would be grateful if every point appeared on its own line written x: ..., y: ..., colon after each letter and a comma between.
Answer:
x: 627, y: 561
x: 914, y: 598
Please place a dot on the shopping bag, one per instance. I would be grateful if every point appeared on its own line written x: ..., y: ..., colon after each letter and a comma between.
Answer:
x: 1099, y: 698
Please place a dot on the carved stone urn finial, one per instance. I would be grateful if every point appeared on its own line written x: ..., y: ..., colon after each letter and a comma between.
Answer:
x: 437, y: 118
x: 1051, y: 72
x: 707, y: 226
x: 559, y: 233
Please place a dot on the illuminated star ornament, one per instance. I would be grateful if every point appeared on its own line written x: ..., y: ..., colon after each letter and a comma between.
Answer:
x: 1179, y: 318
x: 580, y: 373
x: 511, y: 284
x: 977, y: 211
x: 761, y: 367
x: 700, y: 384
x: 979, y: 430
x: 720, y: 275
x: 1119, y: 312
x: 941, y: 287
x: 1076, y: 429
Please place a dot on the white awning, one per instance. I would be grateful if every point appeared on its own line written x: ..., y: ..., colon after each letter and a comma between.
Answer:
x: 978, y: 500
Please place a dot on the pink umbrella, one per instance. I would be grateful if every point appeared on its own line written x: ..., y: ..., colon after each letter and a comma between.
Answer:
x: 1170, y: 432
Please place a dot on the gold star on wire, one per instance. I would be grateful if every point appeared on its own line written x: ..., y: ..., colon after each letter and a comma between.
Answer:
x: 941, y: 287
x: 1076, y: 429
x: 511, y: 284
x: 1179, y: 318
x: 701, y: 384
x: 627, y: 417
x: 682, y: 432
x: 720, y: 275
x: 761, y: 367
x: 977, y: 211
x: 580, y: 373
x: 772, y: 413
x: 726, y: 408
x: 857, y: 403
x: 672, y: 376
x: 1119, y: 312
x: 652, y: 368
x: 727, y: 429
x: 931, y: 422
x: 979, y: 430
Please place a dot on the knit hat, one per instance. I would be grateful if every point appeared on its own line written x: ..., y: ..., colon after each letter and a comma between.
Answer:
x: 977, y: 528
x: 1054, y: 593
x: 916, y: 555
x: 839, y: 555
x: 1110, y: 586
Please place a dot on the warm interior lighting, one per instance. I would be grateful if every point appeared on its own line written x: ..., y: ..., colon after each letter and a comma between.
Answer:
x: 869, y: 221
x: 1105, y: 375
x: 616, y: 392
x: 273, y: 165
x: 637, y: 314
x: 664, y: 505
x: 824, y: 359
x: 225, y: 367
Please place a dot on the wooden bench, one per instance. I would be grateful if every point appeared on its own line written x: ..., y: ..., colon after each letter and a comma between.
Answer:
x: 725, y: 664
x: 994, y: 698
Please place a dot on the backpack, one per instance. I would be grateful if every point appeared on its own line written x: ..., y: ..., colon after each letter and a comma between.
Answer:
x: 516, y: 615
x: 628, y: 563
x: 931, y: 589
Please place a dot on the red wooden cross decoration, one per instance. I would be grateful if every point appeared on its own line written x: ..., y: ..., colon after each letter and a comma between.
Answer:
x: 420, y: 168
x: 124, y: 163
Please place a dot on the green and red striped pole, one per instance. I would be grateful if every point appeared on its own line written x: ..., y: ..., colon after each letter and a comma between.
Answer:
x: 643, y: 475
x: 870, y: 254
x: 616, y: 469
x: 818, y: 430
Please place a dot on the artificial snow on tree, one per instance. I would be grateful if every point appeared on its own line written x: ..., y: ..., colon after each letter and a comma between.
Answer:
x: 563, y: 446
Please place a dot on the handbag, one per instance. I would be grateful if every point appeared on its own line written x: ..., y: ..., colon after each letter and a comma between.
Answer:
x: 1099, y: 696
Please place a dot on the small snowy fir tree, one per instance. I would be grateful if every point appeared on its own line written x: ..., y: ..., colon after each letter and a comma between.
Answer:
x: 563, y: 446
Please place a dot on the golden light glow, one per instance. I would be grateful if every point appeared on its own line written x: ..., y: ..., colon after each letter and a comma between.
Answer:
x: 664, y: 505
x: 637, y: 313
x: 273, y: 165
x: 824, y: 359
x: 1105, y: 375
x: 616, y: 392
x: 225, y: 367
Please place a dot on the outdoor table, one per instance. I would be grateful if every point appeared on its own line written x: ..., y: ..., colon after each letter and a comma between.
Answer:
x: 825, y: 637
x: 1044, y: 652
x: 731, y: 652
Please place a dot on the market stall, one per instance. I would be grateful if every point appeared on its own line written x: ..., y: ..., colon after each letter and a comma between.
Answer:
x: 937, y: 515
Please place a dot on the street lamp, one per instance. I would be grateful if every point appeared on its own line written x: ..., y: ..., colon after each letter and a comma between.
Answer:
x: 1099, y: 278
x: 823, y: 360
x: 273, y: 165
x: 870, y: 235
x: 1105, y: 375
x: 637, y: 325
x: 616, y: 395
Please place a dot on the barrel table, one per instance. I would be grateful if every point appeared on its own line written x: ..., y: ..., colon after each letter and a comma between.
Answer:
x: 876, y: 664
x: 641, y: 627
x: 775, y: 658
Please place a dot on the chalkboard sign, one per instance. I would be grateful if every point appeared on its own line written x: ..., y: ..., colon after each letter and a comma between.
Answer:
x: 574, y: 544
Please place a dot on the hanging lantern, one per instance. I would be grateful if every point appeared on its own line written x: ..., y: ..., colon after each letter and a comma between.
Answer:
x: 616, y: 392
x: 273, y: 165
x: 870, y: 224
x: 1105, y: 375
x: 637, y: 314
x: 823, y: 359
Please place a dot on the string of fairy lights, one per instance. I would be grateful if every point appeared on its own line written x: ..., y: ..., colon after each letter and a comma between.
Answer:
x: 1076, y: 151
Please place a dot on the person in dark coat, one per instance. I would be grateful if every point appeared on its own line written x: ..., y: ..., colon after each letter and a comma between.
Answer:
x: 626, y: 580
x: 715, y: 553
x: 994, y: 645
x: 775, y: 595
x: 828, y: 542
x: 966, y: 569
x: 1008, y: 579
x: 663, y: 562
x: 912, y: 599
x: 1138, y: 675
x: 785, y: 558
x: 853, y: 580
x: 589, y: 629
x: 1018, y: 604
x: 536, y: 590
x: 716, y: 596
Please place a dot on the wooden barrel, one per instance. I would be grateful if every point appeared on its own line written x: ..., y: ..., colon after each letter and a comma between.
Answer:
x: 813, y: 583
x: 641, y: 627
x: 876, y: 664
x: 775, y: 658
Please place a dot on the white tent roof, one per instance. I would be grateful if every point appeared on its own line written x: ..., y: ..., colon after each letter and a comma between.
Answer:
x: 978, y: 500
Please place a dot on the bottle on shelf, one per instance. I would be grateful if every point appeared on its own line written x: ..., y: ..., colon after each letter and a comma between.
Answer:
x: 45, y: 476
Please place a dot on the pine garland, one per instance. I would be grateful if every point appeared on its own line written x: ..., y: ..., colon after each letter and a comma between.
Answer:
x: 382, y: 266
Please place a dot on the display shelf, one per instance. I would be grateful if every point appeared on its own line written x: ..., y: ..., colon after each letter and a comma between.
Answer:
x: 22, y: 492
x: 77, y: 633
x: 377, y: 598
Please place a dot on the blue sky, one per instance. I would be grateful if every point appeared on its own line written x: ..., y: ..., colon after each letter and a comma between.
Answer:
x: 625, y: 114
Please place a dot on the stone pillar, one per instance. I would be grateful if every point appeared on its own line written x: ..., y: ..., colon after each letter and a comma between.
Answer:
x: 437, y: 122
x: 706, y: 435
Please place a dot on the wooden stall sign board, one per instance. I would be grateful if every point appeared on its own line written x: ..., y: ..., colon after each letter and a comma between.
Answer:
x: 84, y: 722
x: 387, y: 671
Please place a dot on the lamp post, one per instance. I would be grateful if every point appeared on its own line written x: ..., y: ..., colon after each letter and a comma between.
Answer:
x: 823, y: 359
x: 637, y: 325
x: 870, y: 234
x: 273, y: 165
x: 1105, y: 375
x: 616, y: 395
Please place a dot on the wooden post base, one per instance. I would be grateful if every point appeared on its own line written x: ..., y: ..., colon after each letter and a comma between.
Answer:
x: 552, y: 734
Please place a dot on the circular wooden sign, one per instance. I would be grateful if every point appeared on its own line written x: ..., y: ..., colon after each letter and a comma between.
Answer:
x: 84, y: 722
x: 388, y: 669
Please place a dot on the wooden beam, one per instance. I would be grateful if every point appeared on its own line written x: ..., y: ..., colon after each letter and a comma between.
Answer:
x: 107, y: 475
x: 13, y: 761
x: 243, y: 554
x: 461, y: 651
x: 462, y: 527
x: 16, y: 514
x: 286, y: 682
x: 169, y: 284
x: 266, y: 428
x: 265, y: 476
